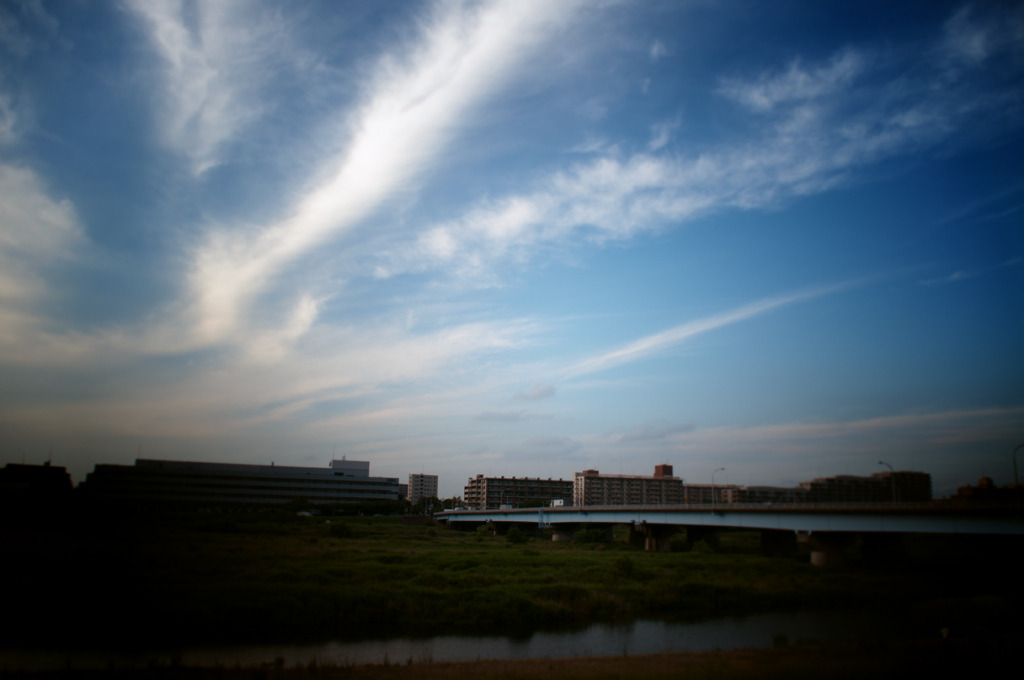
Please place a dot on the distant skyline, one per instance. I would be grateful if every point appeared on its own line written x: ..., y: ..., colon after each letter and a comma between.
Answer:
x: 515, y: 237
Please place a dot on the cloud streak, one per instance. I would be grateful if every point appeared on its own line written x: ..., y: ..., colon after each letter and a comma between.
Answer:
x: 659, y: 342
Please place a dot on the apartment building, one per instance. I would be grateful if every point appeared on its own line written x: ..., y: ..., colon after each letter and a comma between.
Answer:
x: 421, y: 486
x: 590, y: 487
x: 489, y: 493
x: 881, y: 487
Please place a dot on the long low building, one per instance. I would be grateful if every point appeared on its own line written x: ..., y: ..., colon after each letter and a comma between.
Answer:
x: 344, y: 481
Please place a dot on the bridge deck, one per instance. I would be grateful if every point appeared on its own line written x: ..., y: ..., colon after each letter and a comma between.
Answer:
x: 804, y: 517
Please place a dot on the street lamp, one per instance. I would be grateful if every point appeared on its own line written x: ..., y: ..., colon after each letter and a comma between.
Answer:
x: 714, y: 496
x: 892, y: 477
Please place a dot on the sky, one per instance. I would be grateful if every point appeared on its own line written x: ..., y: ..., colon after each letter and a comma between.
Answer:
x: 515, y: 237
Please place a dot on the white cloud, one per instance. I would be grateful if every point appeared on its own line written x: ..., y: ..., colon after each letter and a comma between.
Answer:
x: 8, y: 119
x: 37, y: 232
x: 412, y: 108
x: 337, y: 380
x: 797, y: 83
x: 972, y: 35
x: 661, y: 133
x: 658, y: 50
x: 217, y: 58
x: 40, y: 237
x: 815, y: 126
x: 537, y: 391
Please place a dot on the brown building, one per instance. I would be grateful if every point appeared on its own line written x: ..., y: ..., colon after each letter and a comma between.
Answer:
x: 881, y: 487
x: 491, y: 493
x: 592, y: 488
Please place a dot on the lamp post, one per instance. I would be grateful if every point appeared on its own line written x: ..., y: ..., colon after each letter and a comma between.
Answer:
x: 714, y: 496
x: 1016, y: 481
x: 892, y: 478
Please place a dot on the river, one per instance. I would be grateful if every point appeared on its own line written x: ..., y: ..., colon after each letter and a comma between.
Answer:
x: 640, y: 637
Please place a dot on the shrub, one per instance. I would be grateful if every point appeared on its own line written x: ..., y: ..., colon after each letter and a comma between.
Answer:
x: 593, y: 535
x: 340, y: 530
x: 701, y: 547
x: 516, y: 535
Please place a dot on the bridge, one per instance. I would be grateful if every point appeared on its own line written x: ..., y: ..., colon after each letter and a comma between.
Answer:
x: 827, y: 528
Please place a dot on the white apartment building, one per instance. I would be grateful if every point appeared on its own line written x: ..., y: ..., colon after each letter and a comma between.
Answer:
x: 421, y: 486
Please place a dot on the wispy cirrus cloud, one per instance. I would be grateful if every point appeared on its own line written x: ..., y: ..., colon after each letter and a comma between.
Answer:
x: 798, y: 82
x: 655, y: 430
x: 965, y: 275
x: 216, y: 60
x: 410, y: 111
x: 509, y: 416
x: 812, y: 127
x: 659, y: 342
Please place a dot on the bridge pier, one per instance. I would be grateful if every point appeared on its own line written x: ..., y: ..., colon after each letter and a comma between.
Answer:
x: 653, y: 537
x: 561, y: 534
x: 827, y: 547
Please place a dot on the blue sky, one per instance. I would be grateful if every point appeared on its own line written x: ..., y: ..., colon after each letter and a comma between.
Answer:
x: 515, y: 238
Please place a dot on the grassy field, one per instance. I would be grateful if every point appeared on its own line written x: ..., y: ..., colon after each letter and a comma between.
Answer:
x: 145, y: 581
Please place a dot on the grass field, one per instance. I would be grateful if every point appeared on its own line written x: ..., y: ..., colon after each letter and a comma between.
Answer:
x: 131, y: 581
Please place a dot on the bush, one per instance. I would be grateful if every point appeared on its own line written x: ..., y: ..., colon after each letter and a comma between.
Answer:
x: 340, y: 530
x: 593, y: 535
x: 677, y: 543
x: 701, y: 547
x: 516, y: 535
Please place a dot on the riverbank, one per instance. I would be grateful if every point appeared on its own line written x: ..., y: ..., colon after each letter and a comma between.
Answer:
x: 897, y: 659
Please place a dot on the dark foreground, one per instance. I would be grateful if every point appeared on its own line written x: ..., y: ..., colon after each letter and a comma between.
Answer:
x: 122, y: 580
x: 933, y: 658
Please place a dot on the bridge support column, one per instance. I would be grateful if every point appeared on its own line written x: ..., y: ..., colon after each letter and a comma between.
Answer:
x: 659, y: 538
x: 775, y: 542
x: 710, y: 536
x: 827, y: 548
x: 561, y: 534
x: 637, y: 538
x: 653, y: 537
